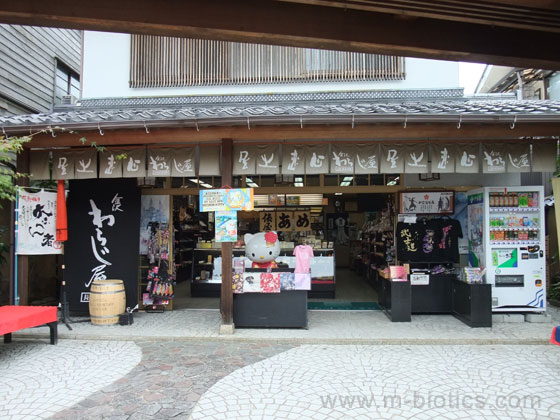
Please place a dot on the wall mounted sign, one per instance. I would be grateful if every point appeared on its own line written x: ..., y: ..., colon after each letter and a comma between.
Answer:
x: 425, y: 202
x: 239, y: 199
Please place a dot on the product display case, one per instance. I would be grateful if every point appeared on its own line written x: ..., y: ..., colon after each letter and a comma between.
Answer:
x: 506, y: 236
x: 207, y: 279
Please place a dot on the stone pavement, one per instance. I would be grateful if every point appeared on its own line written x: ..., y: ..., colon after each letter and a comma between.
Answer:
x: 39, y: 379
x: 319, y: 382
x: 330, y: 327
x: 168, y: 381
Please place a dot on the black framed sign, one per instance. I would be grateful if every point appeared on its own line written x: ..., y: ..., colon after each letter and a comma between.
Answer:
x: 103, y: 230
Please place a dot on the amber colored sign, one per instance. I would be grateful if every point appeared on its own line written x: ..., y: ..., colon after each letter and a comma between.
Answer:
x: 284, y: 221
x: 267, y: 220
x: 302, y: 221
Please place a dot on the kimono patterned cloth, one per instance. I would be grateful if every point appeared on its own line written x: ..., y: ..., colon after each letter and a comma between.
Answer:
x: 270, y: 282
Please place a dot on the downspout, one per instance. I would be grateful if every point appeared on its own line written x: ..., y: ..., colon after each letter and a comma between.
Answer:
x: 520, y: 86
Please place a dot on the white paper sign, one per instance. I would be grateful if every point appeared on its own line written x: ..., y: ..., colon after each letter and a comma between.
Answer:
x: 36, y: 233
x: 419, y: 279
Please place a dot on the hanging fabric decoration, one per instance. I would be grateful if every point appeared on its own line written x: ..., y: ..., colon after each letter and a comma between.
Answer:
x: 267, y: 160
x: 467, y: 158
x: 159, y: 162
x: 293, y: 159
x: 367, y: 159
x: 109, y: 165
x: 317, y: 159
x: 244, y: 158
x: 416, y: 158
x: 134, y: 166
x: 182, y: 162
x: 37, y: 224
x: 493, y: 158
x: 209, y: 161
x: 39, y: 164
x: 443, y: 158
x: 392, y: 161
x: 544, y: 156
x: 85, y: 164
x: 342, y: 159
x: 518, y: 157
x: 63, y: 165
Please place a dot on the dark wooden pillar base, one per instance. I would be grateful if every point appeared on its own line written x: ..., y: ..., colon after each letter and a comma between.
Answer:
x: 226, y: 296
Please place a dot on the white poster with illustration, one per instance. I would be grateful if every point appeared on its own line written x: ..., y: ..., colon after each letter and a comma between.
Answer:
x: 427, y: 202
x: 154, y: 210
x: 36, y: 233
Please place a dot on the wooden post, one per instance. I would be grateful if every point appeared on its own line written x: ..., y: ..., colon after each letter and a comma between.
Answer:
x: 23, y: 260
x: 226, y: 298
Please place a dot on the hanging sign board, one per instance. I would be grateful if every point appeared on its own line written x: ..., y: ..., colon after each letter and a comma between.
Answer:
x: 267, y: 221
x: 37, y: 224
x: 438, y: 202
x: 226, y: 226
x: 227, y: 199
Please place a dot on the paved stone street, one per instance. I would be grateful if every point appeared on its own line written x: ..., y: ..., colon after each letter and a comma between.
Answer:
x: 169, y: 380
x: 217, y: 380
x: 320, y: 382
x: 38, y: 379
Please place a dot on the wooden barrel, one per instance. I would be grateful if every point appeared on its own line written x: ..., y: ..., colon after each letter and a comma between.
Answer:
x: 107, y: 301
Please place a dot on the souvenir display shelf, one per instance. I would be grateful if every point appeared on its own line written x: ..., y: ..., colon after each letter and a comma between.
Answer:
x: 287, y: 309
x: 321, y: 287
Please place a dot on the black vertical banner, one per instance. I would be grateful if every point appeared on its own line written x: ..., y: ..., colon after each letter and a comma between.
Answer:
x: 103, y: 231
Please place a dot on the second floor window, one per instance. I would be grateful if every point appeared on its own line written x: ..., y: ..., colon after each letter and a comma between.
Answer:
x: 67, y: 82
x: 167, y: 62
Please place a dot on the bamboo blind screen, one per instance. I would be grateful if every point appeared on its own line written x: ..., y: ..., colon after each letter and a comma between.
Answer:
x: 167, y: 62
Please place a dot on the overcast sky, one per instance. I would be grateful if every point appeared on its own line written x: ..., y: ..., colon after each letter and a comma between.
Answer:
x: 469, y: 75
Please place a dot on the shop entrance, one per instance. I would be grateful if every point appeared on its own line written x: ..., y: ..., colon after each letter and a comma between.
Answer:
x: 351, y: 235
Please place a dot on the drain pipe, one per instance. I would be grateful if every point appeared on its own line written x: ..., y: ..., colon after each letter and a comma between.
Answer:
x: 520, y: 86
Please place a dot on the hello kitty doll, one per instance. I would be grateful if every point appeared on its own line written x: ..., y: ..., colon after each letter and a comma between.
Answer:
x: 262, y: 249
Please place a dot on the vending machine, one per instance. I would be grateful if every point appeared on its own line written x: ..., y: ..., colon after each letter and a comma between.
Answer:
x: 506, y: 233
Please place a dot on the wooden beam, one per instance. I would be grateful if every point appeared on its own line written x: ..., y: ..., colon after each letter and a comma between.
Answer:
x: 387, y: 31
x: 393, y: 132
x: 226, y: 296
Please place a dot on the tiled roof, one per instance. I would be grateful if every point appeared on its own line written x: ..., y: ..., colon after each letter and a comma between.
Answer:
x: 331, y: 112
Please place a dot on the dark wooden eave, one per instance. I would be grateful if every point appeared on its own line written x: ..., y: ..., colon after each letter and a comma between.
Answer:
x: 519, y: 33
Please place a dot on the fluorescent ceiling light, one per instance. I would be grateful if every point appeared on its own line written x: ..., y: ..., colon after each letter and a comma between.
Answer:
x: 196, y: 181
x: 298, y: 184
x: 298, y: 179
x: 304, y: 199
x: 348, y: 178
x: 337, y: 193
x: 345, y: 184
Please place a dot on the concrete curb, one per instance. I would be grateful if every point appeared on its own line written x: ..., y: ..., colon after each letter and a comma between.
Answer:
x: 299, y: 341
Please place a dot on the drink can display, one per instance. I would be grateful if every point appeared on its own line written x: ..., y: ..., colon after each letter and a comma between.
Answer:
x: 530, y: 200
x: 515, y: 200
x: 535, y: 199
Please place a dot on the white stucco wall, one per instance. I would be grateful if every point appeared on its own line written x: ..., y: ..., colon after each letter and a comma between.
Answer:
x: 107, y: 64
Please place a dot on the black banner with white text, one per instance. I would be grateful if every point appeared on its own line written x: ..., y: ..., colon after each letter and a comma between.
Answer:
x: 103, y: 229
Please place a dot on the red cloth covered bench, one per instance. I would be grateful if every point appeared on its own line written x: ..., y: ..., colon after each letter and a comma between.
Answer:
x: 14, y: 318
